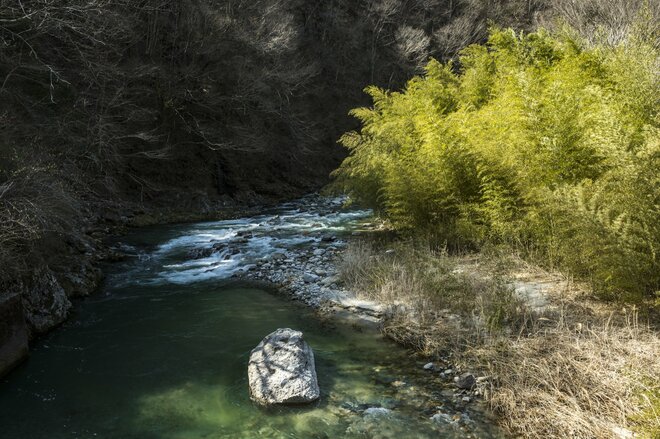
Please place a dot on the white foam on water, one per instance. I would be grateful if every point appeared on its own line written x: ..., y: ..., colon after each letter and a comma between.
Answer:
x: 222, y: 269
x: 246, y: 240
x: 194, y: 239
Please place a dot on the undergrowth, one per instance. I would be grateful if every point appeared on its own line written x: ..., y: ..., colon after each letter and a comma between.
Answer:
x: 574, y: 368
x: 544, y: 142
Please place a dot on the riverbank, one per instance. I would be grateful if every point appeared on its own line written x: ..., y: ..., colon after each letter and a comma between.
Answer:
x: 60, y: 267
x: 314, y: 272
x: 545, y: 355
x: 485, y: 328
x: 556, y: 361
x: 168, y: 336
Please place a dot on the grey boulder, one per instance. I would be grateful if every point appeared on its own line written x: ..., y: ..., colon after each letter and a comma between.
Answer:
x: 281, y: 370
x: 45, y: 302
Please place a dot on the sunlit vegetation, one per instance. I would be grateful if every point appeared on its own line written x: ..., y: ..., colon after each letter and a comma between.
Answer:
x: 543, y: 142
x: 171, y: 104
x: 568, y: 368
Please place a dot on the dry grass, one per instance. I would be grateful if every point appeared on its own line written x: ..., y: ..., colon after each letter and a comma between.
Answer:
x: 431, y: 290
x: 567, y: 382
x: 574, y: 368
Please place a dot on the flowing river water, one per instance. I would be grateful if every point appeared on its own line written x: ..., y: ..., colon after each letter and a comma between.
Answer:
x: 162, y: 350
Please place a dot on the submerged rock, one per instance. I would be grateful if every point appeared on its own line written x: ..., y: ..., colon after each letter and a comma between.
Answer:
x: 456, y: 421
x: 281, y: 370
x: 377, y: 411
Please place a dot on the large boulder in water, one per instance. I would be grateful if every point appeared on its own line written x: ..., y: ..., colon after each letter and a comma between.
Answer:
x: 282, y: 371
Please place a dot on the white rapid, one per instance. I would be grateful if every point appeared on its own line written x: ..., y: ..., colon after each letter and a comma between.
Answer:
x: 222, y: 249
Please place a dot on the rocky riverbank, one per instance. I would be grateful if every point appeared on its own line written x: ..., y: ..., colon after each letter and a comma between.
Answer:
x: 310, y: 273
x: 297, y: 247
x: 62, y: 267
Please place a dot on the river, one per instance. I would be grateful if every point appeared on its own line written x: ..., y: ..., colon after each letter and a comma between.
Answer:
x: 161, y: 351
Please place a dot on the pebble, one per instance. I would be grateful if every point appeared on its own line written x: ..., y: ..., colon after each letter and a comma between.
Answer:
x: 309, y: 277
x: 466, y: 381
x: 330, y: 280
x: 429, y: 366
x: 442, y: 418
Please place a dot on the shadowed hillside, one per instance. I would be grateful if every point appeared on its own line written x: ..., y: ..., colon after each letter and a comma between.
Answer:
x: 112, y: 108
x: 116, y: 111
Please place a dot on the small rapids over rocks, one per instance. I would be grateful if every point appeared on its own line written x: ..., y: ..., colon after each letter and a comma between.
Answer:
x: 221, y: 249
x: 293, y: 246
x: 162, y: 351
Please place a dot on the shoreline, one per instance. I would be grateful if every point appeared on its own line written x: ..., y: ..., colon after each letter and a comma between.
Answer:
x: 67, y: 267
x: 311, y: 276
x: 307, y: 273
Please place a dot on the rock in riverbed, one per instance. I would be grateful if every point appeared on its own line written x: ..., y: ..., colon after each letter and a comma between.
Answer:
x: 466, y: 381
x: 45, y: 302
x: 281, y: 370
x: 309, y: 278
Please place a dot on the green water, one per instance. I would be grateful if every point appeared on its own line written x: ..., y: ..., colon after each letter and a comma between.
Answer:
x: 145, y: 359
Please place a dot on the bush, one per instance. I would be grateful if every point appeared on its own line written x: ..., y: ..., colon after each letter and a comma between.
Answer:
x: 431, y: 294
x: 570, y: 368
x: 541, y: 141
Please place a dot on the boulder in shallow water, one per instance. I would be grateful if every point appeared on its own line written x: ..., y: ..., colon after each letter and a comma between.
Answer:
x: 281, y: 370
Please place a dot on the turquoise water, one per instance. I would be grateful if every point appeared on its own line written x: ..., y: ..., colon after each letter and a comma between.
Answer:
x: 151, y: 358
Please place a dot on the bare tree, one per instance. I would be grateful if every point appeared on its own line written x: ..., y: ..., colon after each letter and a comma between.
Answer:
x: 610, y: 21
x: 413, y: 45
